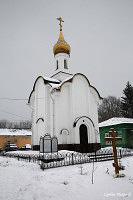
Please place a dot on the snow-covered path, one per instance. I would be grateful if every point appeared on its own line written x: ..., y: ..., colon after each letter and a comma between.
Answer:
x: 21, y: 180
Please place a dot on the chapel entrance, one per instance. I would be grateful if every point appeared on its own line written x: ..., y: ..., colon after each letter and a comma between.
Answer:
x: 83, y: 138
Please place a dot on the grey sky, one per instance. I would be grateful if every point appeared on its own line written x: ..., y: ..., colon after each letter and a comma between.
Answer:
x: 100, y: 33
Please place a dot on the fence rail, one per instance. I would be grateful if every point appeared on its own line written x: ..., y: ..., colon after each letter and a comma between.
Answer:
x: 64, y: 159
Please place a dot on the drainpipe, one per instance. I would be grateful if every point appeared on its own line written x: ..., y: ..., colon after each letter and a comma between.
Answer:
x: 32, y: 118
x: 51, y: 93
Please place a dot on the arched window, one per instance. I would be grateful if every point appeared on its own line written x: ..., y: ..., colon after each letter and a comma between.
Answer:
x: 65, y: 64
x: 57, y: 66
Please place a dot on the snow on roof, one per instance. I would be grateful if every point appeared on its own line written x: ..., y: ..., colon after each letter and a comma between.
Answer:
x: 51, y: 79
x: 115, y: 120
x: 57, y: 86
x: 67, y: 79
x: 15, y: 132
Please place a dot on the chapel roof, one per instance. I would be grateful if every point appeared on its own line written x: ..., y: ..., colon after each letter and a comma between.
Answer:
x: 56, y: 84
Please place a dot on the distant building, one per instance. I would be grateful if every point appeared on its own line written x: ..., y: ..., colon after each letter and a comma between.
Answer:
x: 123, y: 128
x: 14, y: 136
x: 65, y: 105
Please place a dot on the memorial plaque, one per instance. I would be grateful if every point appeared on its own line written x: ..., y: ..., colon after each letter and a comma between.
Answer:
x: 47, y: 143
x: 54, y: 144
x: 41, y: 144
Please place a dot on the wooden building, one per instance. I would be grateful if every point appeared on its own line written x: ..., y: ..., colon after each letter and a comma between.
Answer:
x: 123, y: 128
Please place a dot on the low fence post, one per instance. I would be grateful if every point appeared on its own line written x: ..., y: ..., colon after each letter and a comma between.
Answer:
x: 29, y: 158
x: 95, y: 156
x: 72, y: 159
x: 120, y: 154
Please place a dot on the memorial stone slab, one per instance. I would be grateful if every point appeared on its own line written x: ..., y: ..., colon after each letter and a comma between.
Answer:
x: 54, y: 144
x: 47, y: 143
x: 41, y: 144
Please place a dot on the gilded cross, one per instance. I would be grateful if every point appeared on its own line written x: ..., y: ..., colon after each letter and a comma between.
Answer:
x: 113, y: 139
x: 61, y: 20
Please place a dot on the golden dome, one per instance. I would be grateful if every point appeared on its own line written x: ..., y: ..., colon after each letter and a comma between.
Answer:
x: 61, y: 46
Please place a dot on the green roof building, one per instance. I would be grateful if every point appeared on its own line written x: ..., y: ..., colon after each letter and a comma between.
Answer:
x: 123, y: 128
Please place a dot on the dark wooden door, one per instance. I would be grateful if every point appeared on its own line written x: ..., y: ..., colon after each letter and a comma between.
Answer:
x: 83, y: 138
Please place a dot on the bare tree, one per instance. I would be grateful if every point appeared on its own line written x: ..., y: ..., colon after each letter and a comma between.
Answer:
x: 3, y: 123
x: 110, y: 107
x: 15, y: 125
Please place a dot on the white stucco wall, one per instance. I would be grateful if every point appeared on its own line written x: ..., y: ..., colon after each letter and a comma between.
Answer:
x: 74, y: 100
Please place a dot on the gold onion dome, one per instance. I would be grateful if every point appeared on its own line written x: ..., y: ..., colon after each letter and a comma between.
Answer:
x: 61, y: 46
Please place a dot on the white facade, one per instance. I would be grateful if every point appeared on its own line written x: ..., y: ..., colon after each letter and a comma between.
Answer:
x: 65, y: 106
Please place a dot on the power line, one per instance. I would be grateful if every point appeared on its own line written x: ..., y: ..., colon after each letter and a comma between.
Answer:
x: 17, y: 99
x: 11, y: 113
x: 13, y: 99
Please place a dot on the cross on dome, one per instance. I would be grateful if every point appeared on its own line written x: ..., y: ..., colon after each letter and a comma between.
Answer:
x: 60, y: 19
x: 61, y: 46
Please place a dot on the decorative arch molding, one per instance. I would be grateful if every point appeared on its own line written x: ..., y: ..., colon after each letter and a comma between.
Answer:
x: 64, y: 131
x: 39, y: 120
x: 58, y: 82
x: 87, y: 121
x: 78, y: 118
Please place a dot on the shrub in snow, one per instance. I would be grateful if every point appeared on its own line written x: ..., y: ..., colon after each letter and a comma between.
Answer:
x: 107, y: 171
x: 119, y: 175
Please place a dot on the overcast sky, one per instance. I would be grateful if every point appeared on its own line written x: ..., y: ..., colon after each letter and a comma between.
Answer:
x: 100, y: 33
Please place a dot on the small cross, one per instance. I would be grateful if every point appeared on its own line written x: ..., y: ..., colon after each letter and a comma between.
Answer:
x: 61, y: 20
x: 113, y: 139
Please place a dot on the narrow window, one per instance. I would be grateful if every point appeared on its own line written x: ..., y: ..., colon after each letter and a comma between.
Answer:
x: 65, y: 64
x: 57, y: 64
x: 108, y: 142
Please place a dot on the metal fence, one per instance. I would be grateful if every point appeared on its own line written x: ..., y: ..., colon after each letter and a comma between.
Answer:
x: 51, y: 160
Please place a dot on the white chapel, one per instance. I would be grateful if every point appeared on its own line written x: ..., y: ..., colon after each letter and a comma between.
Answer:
x: 65, y: 105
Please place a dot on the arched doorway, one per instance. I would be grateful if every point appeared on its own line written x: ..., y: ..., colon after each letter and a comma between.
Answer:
x: 83, y: 138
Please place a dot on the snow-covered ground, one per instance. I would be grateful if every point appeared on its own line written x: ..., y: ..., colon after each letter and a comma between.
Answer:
x: 20, y: 180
